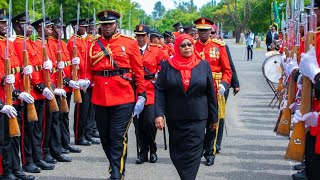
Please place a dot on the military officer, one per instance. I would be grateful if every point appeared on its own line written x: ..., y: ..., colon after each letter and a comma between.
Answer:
x: 152, y: 56
x: 81, y: 112
x: 178, y: 29
x: 214, y: 52
x: 114, y: 59
x: 68, y: 83
x: 10, y: 150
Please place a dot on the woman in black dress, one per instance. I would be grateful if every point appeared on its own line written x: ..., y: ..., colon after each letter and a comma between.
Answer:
x: 185, y: 96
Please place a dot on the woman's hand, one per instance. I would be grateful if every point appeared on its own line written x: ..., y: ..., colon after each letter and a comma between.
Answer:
x: 213, y: 126
x: 159, y: 122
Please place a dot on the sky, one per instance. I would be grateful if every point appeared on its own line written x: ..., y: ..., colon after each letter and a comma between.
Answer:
x: 148, y: 5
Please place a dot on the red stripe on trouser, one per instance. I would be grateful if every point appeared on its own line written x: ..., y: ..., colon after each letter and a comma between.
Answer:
x: 23, y: 156
x: 77, y: 123
x: 44, y: 125
x: 1, y: 168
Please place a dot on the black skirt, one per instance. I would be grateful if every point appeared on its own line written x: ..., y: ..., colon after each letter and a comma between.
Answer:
x: 186, y: 145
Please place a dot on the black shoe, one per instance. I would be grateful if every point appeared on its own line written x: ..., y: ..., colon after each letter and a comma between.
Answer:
x: 93, y: 141
x: 44, y: 166
x: 63, y: 158
x: 83, y: 142
x: 95, y: 134
x: 23, y: 176
x: 49, y: 159
x: 209, y: 162
x: 65, y: 151
x: 8, y: 177
x: 299, y: 167
x: 141, y: 160
x: 153, y: 158
x: 300, y: 176
x: 31, y: 168
x: 218, y: 149
x: 72, y: 148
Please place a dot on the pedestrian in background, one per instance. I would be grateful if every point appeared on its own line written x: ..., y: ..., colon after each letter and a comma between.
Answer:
x: 249, y: 44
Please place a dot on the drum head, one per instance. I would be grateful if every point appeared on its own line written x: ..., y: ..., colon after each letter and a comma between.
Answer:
x: 271, y: 68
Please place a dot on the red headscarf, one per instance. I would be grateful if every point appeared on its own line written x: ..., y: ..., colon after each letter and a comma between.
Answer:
x: 184, y: 64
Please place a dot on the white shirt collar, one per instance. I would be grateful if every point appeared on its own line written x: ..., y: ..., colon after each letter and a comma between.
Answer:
x: 143, y: 48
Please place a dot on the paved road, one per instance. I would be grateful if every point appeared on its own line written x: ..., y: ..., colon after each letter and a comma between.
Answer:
x: 251, y: 151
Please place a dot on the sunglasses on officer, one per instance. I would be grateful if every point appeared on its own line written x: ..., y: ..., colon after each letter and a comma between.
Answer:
x: 184, y: 45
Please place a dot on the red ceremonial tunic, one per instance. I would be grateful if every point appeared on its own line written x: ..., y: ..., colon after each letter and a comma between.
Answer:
x: 115, y: 90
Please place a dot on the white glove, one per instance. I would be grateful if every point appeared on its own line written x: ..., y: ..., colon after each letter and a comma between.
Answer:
x: 10, y: 79
x: 139, y: 106
x: 75, y: 61
x: 60, y: 92
x: 286, y: 67
x: 309, y: 65
x: 47, y: 65
x: 84, y: 84
x: 9, y: 110
x: 297, y: 117
x: 60, y: 65
x: 221, y: 89
x: 26, y: 97
x: 47, y: 93
x: 28, y: 70
x: 74, y: 84
x: 293, y: 64
x: 311, y: 119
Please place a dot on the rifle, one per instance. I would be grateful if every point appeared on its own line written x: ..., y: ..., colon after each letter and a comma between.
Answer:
x: 53, y: 105
x: 77, y: 94
x: 14, y: 129
x: 296, y: 146
x: 285, y: 121
x: 63, y: 103
x: 32, y: 113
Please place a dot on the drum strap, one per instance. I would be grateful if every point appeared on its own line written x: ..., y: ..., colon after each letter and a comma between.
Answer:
x: 221, y: 99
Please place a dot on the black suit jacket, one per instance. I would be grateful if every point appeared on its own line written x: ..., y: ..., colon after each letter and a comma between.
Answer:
x: 269, y: 38
x: 234, y: 80
x: 199, y: 102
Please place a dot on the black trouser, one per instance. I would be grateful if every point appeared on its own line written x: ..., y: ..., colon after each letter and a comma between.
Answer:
x: 113, y: 123
x: 147, y: 131
x: 10, y: 151
x: 186, y: 145
x: 91, y: 127
x: 309, y: 153
x: 81, y: 116
x: 64, y: 124
x: 31, y: 136
x: 249, y: 49
x: 52, y: 134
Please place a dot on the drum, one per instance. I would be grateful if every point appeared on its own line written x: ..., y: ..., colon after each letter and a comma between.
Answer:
x: 271, y: 68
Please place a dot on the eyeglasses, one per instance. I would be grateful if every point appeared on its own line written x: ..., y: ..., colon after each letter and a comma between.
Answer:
x: 185, y: 45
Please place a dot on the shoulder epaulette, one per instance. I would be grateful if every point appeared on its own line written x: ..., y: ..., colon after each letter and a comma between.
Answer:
x: 94, y: 38
x: 195, y: 41
x: 155, y: 45
x: 129, y: 37
x: 221, y: 43
x: 2, y: 38
x: 20, y: 37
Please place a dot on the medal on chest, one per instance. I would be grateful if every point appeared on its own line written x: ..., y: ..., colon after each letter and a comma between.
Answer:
x: 214, y: 53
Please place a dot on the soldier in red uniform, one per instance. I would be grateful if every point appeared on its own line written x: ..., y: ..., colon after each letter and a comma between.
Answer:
x: 215, y: 53
x: 309, y: 66
x: 177, y: 29
x: 152, y: 55
x: 115, y: 59
x: 68, y: 85
x: 168, y: 42
x: 10, y: 151
x: 91, y: 128
x: 81, y: 112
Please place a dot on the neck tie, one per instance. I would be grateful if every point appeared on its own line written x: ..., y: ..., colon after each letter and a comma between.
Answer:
x: 141, y: 51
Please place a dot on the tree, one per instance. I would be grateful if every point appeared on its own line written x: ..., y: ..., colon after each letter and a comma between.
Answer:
x: 158, y: 10
x: 239, y: 20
